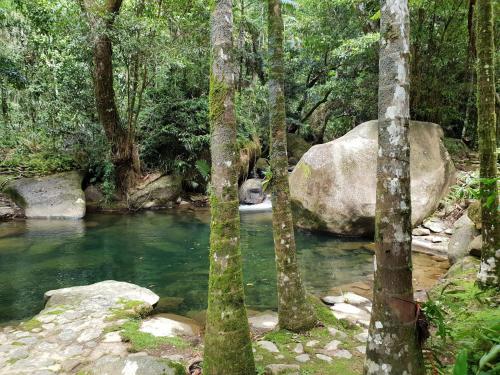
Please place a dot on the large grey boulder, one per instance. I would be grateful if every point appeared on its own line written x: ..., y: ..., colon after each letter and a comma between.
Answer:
x: 252, y: 192
x: 158, y: 193
x: 56, y: 196
x: 333, y: 187
x: 460, y: 240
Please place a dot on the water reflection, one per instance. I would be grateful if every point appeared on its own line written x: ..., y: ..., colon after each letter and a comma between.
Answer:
x: 164, y: 251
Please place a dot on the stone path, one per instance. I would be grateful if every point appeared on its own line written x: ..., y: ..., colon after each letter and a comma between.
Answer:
x: 74, y: 334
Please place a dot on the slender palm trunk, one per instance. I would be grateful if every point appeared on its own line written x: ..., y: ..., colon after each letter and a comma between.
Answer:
x: 293, y: 311
x: 489, y: 273
x: 228, y: 349
x: 393, y: 347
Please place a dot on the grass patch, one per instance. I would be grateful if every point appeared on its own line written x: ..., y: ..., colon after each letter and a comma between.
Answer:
x: 11, y: 361
x: 128, y: 309
x: 281, y: 337
x: 55, y: 312
x: 141, y: 340
x: 30, y: 324
x: 17, y: 343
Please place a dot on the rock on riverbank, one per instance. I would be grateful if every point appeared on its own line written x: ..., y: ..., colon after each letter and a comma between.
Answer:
x: 333, y: 186
x: 75, y: 333
x: 55, y: 196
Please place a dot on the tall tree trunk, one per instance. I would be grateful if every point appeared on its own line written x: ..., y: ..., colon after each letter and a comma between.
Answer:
x: 228, y: 348
x: 393, y: 347
x: 5, y: 105
x: 489, y: 273
x: 125, y: 156
x: 468, y: 129
x: 293, y: 311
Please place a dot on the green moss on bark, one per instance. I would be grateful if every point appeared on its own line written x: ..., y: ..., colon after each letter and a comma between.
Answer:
x: 294, y: 313
x: 489, y: 273
x: 228, y: 349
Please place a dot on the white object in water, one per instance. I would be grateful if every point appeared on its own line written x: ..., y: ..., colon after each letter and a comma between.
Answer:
x: 260, y: 207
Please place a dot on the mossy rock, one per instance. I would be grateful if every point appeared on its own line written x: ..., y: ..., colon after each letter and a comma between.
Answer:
x: 474, y: 213
x: 297, y: 146
x: 456, y: 148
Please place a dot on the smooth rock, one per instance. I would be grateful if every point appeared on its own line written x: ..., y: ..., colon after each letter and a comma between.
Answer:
x: 312, y: 343
x: 169, y: 325
x: 112, y: 337
x: 361, y: 349
x: 333, y: 187
x: 458, y: 247
x: 337, y: 333
x: 143, y: 365
x: 303, y: 358
x: 420, y: 231
x: 342, y: 354
x: 252, y: 192
x: 434, y: 226
x: 109, y: 290
x: 55, y: 196
x: 332, y: 345
x: 476, y: 246
x: 299, y: 349
x: 265, y: 321
x: 363, y: 336
x: 434, y: 239
x: 159, y: 192
x: 268, y: 345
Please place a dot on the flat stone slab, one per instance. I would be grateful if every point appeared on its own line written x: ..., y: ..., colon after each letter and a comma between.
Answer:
x: 264, y: 322
x: 170, y: 325
x: 107, y: 292
x: 70, y: 334
x: 136, y: 365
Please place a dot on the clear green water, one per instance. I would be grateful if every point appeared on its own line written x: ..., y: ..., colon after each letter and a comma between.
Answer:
x: 164, y: 251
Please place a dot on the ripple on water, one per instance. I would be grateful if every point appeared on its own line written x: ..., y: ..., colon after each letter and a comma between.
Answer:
x: 164, y: 251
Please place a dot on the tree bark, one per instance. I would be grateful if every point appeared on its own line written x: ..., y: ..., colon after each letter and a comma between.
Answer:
x: 228, y: 348
x: 489, y: 273
x: 294, y: 314
x: 393, y: 347
x: 468, y: 128
x: 125, y: 156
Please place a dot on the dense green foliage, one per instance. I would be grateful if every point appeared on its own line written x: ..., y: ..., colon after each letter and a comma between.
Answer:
x: 161, y: 56
x: 467, y: 321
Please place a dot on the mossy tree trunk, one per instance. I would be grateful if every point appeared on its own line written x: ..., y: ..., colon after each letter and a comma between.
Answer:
x: 489, y: 273
x: 293, y: 311
x: 125, y: 157
x: 393, y: 347
x: 228, y: 348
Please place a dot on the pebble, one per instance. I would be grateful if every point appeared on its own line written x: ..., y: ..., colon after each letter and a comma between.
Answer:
x: 337, y: 333
x: 420, y: 231
x: 332, y: 345
x: 303, y: 358
x: 362, y: 337
x: 312, y: 343
x: 299, y: 349
x: 268, y: 345
x: 324, y: 357
x: 361, y: 349
x: 342, y: 354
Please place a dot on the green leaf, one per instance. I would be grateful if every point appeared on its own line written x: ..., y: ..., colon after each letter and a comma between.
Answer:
x: 461, y: 366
